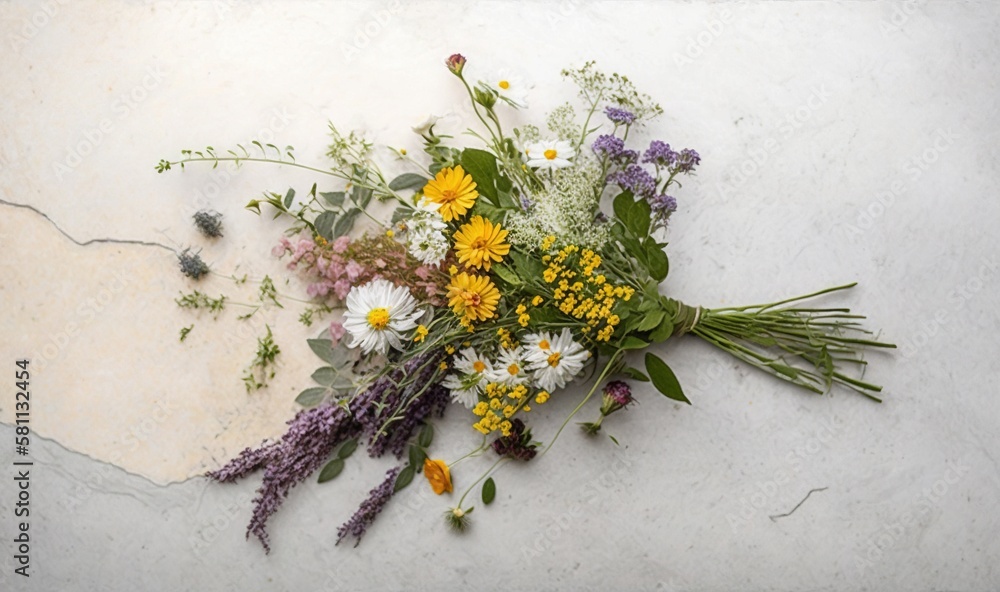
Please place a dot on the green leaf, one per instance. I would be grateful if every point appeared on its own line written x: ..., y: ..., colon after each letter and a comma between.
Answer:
x: 407, y: 181
x: 482, y: 165
x: 657, y: 262
x: 640, y: 216
x: 289, y: 197
x: 325, y: 376
x: 613, y: 439
x: 634, y: 374
x: 489, y: 491
x: 361, y: 196
x: 322, y: 348
x: 632, y: 342
x: 324, y: 224
x: 417, y: 457
x: 311, y: 396
x: 345, y: 223
x: 651, y: 320
x: 663, y: 331
x: 404, y: 478
x: 527, y: 265
x: 348, y: 448
x: 664, y: 379
x: 622, y: 205
x: 507, y: 275
x: 331, y: 470
x: 334, y: 198
x: 426, y: 435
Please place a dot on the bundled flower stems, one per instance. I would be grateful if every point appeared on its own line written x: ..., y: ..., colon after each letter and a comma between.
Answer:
x: 507, y: 271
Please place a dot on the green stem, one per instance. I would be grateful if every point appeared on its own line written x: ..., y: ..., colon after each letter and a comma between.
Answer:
x: 481, y: 477
x: 593, y: 389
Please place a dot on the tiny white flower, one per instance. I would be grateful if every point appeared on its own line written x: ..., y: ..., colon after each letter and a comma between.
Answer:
x: 377, y: 315
x: 425, y: 124
x: 549, y: 154
x: 509, y: 369
x: 509, y: 86
x: 554, y: 359
x: 429, y: 245
x: 471, y: 379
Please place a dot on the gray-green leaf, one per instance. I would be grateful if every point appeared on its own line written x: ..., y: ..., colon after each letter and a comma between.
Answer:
x: 324, y: 224
x: 345, y: 223
x: 426, y: 435
x: 334, y: 198
x: 348, y: 448
x: 331, y: 470
x: 407, y: 181
x: 322, y: 348
x: 311, y: 396
x: 404, y: 478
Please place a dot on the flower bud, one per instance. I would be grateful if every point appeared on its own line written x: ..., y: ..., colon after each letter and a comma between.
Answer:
x: 455, y: 63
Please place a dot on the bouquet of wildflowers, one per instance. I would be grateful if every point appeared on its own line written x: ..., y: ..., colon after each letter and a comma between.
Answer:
x: 507, y: 271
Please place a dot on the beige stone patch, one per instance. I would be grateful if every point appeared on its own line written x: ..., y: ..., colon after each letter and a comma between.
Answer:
x: 109, y: 377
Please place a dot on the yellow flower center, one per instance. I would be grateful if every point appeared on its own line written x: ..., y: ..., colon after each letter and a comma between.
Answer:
x: 471, y: 298
x: 503, y: 84
x: 378, y: 318
x: 449, y: 195
x: 479, y: 243
x: 554, y: 359
x: 550, y: 154
x: 513, y: 369
x: 478, y: 366
x: 544, y: 344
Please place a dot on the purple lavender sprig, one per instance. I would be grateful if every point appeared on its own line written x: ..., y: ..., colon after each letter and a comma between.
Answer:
x: 377, y: 498
x: 311, y: 437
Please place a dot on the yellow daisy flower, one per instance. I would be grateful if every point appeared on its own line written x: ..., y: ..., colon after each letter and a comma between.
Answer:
x: 480, y: 242
x: 473, y: 297
x: 454, y: 190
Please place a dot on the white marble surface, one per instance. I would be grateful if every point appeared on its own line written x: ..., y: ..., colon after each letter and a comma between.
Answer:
x: 840, y: 140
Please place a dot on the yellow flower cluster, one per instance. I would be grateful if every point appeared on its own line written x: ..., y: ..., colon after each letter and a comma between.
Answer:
x: 504, y: 402
x: 580, y: 290
x: 506, y: 339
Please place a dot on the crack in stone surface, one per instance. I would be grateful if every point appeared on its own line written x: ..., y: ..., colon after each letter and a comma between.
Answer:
x: 93, y: 241
x: 811, y: 491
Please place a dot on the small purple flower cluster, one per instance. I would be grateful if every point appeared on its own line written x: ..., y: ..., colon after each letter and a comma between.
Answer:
x: 377, y: 498
x: 633, y: 177
x: 614, y: 149
x: 687, y: 160
x: 660, y: 154
x: 619, y: 116
x: 517, y: 445
x: 636, y: 179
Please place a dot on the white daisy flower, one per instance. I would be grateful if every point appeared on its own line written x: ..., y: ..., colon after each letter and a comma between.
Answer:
x: 554, y: 360
x: 377, y: 314
x: 509, y: 86
x: 549, y: 154
x: 428, y: 245
x: 509, y: 369
x: 425, y: 124
x: 471, y: 379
